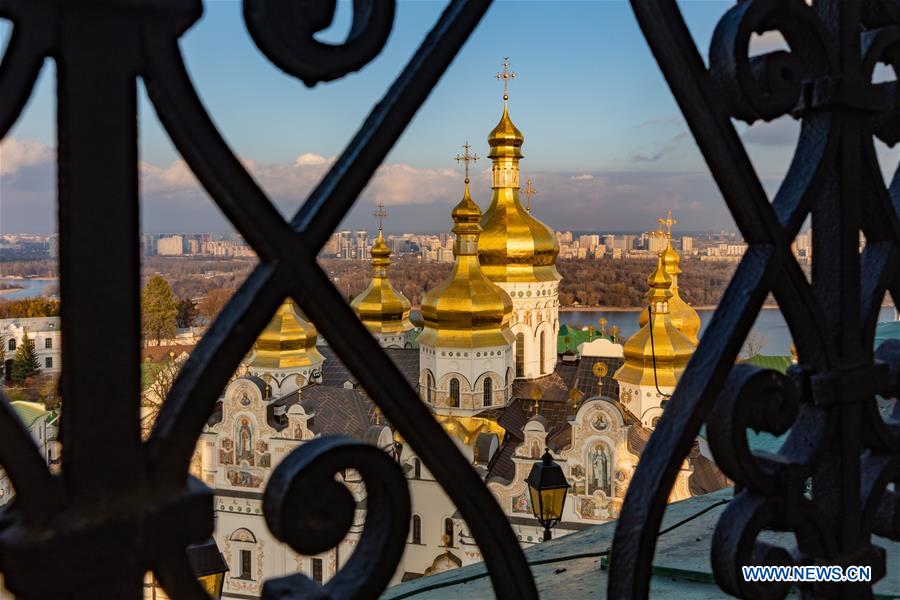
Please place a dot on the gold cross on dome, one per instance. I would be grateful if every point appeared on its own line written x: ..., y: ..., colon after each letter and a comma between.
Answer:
x: 505, y: 75
x: 380, y: 214
x: 529, y: 191
x: 667, y: 223
x: 465, y: 158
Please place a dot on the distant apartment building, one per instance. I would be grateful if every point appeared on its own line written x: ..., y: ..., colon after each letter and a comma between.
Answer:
x: 564, y: 237
x: 655, y: 244
x: 687, y: 244
x: 588, y: 241
x: 444, y: 255
x: 172, y: 245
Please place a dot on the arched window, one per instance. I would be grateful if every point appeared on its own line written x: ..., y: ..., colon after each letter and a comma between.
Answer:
x: 488, y: 391
x: 12, y: 344
x: 454, y: 392
x: 543, y: 353
x: 429, y: 384
x: 417, y: 468
x: 448, y: 533
x: 416, y: 529
x: 243, y: 544
x: 520, y: 355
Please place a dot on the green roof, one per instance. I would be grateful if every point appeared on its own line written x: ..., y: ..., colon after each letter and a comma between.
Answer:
x: 28, y: 412
x: 776, y: 363
x: 576, y: 337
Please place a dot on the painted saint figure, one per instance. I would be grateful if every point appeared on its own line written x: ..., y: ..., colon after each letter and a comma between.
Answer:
x: 598, y: 474
x: 244, y: 442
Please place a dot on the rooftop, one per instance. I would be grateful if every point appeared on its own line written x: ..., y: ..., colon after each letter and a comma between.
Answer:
x: 574, y: 566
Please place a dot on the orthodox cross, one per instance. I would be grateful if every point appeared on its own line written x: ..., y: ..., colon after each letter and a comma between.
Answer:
x: 529, y: 191
x: 575, y: 395
x: 465, y: 158
x: 667, y: 223
x: 380, y: 214
x: 505, y: 75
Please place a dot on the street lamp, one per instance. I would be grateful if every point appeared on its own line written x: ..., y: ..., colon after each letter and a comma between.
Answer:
x: 548, y: 487
x: 208, y: 566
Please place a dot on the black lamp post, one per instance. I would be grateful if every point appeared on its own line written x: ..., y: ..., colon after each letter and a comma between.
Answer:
x: 208, y: 566
x: 548, y: 488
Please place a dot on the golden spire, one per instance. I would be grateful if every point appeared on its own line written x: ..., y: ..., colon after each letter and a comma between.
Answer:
x: 287, y: 341
x: 466, y: 158
x: 657, y: 354
x: 466, y: 310
x: 667, y: 222
x: 380, y: 307
x: 683, y: 315
x: 505, y: 75
x: 529, y: 192
x: 380, y: 214
x: 514, y: 246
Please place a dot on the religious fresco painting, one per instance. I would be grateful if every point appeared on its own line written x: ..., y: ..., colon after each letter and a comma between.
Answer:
x: 244, y: 440
x: 598, y: 470
x: 263, y: 458
x: 244, y: 478
x: 600, y: 422
x: 226, y: 451
x: 522, y: 503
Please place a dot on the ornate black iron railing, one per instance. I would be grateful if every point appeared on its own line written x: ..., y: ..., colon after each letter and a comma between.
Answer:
x: 121, y: 507
x: 829, y: 483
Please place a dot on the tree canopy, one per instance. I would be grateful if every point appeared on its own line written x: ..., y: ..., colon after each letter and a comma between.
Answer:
x: 25, y: 364
x: 187, y: 313
x: 159, y: 310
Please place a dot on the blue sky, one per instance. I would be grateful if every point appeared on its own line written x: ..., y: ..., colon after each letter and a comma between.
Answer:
x: 603, y: 136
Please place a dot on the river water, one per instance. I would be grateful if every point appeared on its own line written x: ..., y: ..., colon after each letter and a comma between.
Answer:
x: 31, y: 288
x: 770, y: 325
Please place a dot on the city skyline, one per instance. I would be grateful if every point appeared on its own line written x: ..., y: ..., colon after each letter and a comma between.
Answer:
x: 603, y: 138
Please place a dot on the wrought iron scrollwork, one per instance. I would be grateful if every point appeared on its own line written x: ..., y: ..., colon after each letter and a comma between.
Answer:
x: 828, y: 482
x: 283, y: 30
x: 134, y: 502
x: 306, y: 507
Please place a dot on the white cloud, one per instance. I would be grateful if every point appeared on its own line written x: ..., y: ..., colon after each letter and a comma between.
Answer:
x: 17, y: 154
x: 780, y: 132
x: 422, y: 198
x: 311, y: 158
x: 768, y: 41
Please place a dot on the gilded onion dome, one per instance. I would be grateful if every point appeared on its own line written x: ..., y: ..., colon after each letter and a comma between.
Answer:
x: 467, y: 429
x: 682, y: 314
x: 287, y: 341
x: 657, y: 354
x: 514, y: 246
x: 466, y: 310
x: 381, y: 308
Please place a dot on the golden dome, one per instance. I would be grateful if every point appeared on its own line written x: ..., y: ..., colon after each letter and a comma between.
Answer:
x: 467, y: 429
x: 658, y: 359
x: 682, y: 314
x: 466, y: 310
x: 287, y: 341
x: 505, y: 139
x: 381, y: 308
x: 514, y: 246
x: 455, y: 429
